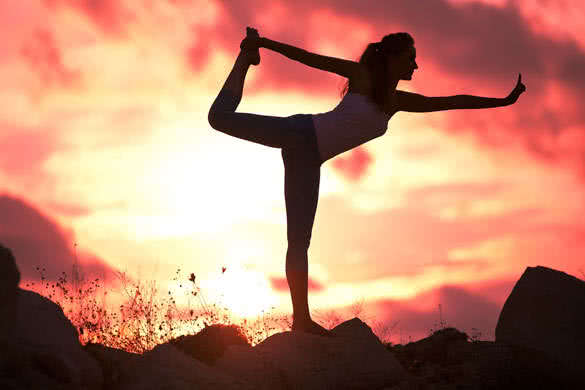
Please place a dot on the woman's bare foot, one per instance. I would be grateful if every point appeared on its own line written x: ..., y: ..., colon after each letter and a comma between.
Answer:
x: 310, y: 326
x: 249, y: 46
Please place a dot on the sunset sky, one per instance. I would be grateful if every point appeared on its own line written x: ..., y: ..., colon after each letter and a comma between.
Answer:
x: 105, y: 143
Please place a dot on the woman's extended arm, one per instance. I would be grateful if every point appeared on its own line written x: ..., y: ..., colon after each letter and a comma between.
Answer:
x: 345, y: 68
x: 414, y: 102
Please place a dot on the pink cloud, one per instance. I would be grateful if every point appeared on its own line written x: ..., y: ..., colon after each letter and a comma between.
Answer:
x: 24, y: 150
x: 460, y: 308
x: 354, y: 164
x: 281, y: 285
x: 43, y: 55
x: 110, y: 16
x: 460, y: 45
x: 38, y: 241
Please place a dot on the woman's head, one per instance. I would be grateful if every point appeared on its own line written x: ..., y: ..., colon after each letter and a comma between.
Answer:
x: 393, y: 58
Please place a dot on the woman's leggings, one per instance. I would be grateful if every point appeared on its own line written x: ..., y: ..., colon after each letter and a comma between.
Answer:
x: 295, y: 135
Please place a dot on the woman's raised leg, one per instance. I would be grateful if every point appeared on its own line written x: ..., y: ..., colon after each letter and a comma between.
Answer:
x: 266, y: 130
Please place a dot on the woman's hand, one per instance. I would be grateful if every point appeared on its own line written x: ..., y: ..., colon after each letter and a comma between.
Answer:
x: 516, y: 92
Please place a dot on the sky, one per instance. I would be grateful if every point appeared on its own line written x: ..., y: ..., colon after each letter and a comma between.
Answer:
x: 107, y: 157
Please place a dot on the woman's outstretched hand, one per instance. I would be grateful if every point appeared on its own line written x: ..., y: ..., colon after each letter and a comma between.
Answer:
x: 517, y: 91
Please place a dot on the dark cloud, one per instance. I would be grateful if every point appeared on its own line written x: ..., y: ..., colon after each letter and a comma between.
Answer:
x: 43, y: 55
x: 38, y: 241
x: 281, y: 285
x: 460, y: 308
x: 354, y: 164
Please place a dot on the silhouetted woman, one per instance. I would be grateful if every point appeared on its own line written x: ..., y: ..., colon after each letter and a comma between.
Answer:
x: 308, y: 140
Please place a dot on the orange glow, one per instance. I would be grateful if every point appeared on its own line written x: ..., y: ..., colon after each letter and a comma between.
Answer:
x: 244, y: 292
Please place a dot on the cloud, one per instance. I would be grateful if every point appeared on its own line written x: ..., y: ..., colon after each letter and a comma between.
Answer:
x: 25, y: 149
x: 44, y: 56
x: 406, y: 241
x: 38, y: 241
x: 110, y: 16
x: 281, y: 285
x: 353, y: 165
x: 468, y: 48
x: 460, y: 308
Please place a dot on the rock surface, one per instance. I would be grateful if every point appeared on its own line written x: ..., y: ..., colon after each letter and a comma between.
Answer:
x: 9, y: 279
x: 353, y: 359
x: 447, y: 360
x: 537, y: 346
x: 546, y: 311
x: 46, y: 337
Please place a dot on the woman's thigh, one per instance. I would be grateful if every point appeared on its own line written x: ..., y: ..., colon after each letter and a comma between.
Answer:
x: 302, y: 172
x: 272, y: 131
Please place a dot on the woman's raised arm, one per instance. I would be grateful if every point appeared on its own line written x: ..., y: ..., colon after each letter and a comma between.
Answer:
x: 345, y: 68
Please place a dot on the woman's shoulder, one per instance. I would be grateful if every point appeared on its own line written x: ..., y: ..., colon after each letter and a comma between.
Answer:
x: 361, y: 83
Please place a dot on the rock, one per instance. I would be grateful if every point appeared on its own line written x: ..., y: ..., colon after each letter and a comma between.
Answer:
x: 211, y: 342
x: 445, y: 346
x: 353, y: 359
x: 50, y: 343
x: 247, y: 363
x: 446, y: 359
x: 546, y: 311
x: 166, y: 367
x: 115, y: 363
x: 9, y: 280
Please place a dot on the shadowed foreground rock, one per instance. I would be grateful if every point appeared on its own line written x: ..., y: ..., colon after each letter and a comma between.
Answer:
x: 9, y: 279
x: 538, y: 337
x: 546, y: 311
x: 353, y: 359
x: 45, y: 351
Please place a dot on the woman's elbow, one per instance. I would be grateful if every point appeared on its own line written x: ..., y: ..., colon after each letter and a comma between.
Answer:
x: 213, y: 118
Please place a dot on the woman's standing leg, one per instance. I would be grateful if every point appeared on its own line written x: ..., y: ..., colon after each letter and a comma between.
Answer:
x: 301, y: 192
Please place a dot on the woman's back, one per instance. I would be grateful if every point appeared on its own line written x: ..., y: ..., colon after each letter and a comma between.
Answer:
x: 354, y: 121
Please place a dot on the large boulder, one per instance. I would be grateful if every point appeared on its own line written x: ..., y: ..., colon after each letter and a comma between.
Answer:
x: 167, y: 367
x: 48, y: 343
x: 9, y: 280
x: 546, y: 311
x: 353, y: 359
x: 446, y: 359
x: 211, y: 342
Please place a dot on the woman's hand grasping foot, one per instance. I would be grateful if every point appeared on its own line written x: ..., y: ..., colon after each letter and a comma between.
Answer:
x: 250, y: 45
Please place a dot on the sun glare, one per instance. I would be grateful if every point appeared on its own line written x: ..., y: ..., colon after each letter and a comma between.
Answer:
x: 244, y: 292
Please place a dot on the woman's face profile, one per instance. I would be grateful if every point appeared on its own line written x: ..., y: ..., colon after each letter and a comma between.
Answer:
x: 402, y: 66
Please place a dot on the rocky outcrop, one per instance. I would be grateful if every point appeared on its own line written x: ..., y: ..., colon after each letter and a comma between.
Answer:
x: 353, y: 359
x: 211, y: 343
x: 546, y: 311
x: 537, y: 345
x: 9, y: 280
x: 46, y: 342
x: 448, y: 360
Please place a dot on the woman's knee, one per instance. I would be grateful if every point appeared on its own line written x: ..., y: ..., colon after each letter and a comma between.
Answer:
x: 298, y: 247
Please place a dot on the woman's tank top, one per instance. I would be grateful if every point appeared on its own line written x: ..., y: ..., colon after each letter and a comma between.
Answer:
x: 354, y: 121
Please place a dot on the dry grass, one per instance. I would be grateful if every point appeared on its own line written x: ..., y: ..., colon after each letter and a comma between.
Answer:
x: 145, y: 320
